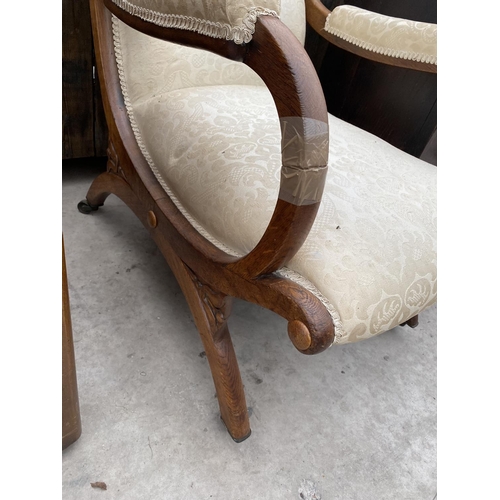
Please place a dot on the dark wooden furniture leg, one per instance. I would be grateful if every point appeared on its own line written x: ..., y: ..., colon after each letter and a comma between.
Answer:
x: 71, y: 422
x: 211, y: 310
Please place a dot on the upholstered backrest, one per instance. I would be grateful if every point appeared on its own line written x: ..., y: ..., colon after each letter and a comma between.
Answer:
x: 228, y: 19
x: 152, y: 67
x: 293, y: 14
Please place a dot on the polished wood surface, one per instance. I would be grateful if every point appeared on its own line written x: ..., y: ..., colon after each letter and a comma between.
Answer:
x: 289, y: 74
x: 71, y: 422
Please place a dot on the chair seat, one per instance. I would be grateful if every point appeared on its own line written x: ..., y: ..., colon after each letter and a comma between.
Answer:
x: 209, y: 130
x: 216, y: 151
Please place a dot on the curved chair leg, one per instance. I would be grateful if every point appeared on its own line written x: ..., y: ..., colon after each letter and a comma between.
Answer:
x: 103, y: 185
x: 111, y: 181
x: 211, y: 310
x: 100, y: 189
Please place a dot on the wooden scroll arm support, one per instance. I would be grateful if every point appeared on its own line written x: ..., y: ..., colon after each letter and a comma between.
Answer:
x: 317, y: 13
x: 279, y: 59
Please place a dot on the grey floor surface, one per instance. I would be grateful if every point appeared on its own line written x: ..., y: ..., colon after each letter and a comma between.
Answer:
x: 357, y: 422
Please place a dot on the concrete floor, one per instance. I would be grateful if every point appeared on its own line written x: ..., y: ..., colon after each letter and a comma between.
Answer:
x: 357, y: 422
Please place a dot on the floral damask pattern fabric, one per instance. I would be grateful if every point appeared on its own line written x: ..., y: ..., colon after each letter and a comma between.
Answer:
x: 390, y: 36
x: 371, y: 254
x: 293, y: 14
x: 228, y: 19
x: 153, y: 67
x: 372, y: 248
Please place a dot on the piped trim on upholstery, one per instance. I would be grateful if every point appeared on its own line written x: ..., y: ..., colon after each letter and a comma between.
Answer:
x: 284, y: 272
x: 238, y: 34
x: 144, y: 151
x: 389, y: 36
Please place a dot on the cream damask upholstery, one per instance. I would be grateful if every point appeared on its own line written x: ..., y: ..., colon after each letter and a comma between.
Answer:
x: 154, y: 67
x: 390, y: 36
x: 228, y: 19
x: 209, y: 130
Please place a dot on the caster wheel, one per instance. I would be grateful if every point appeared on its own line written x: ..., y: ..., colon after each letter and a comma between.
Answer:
x: 86, y: 208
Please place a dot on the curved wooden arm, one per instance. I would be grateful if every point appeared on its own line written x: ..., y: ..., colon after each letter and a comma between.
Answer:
x: 279, y: 59
x: 317, y: 13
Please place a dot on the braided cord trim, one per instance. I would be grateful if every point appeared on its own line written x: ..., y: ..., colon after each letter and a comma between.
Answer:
x: 238, y: 34
x: 389, y: 36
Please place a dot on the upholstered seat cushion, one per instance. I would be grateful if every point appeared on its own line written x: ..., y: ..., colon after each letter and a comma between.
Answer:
x: 370, y: 256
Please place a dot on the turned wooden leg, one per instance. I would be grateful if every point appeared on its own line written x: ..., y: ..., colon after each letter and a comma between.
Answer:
x: 210, y: 311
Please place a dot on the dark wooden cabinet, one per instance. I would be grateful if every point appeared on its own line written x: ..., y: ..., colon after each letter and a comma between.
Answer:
x: 396, y: 104
x: 84, y: 132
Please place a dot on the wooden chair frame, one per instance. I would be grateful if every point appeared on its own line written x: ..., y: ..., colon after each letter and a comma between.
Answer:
x: 208, y: 277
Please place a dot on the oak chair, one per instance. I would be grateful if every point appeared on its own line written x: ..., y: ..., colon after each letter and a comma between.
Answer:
x: 221, y: 144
